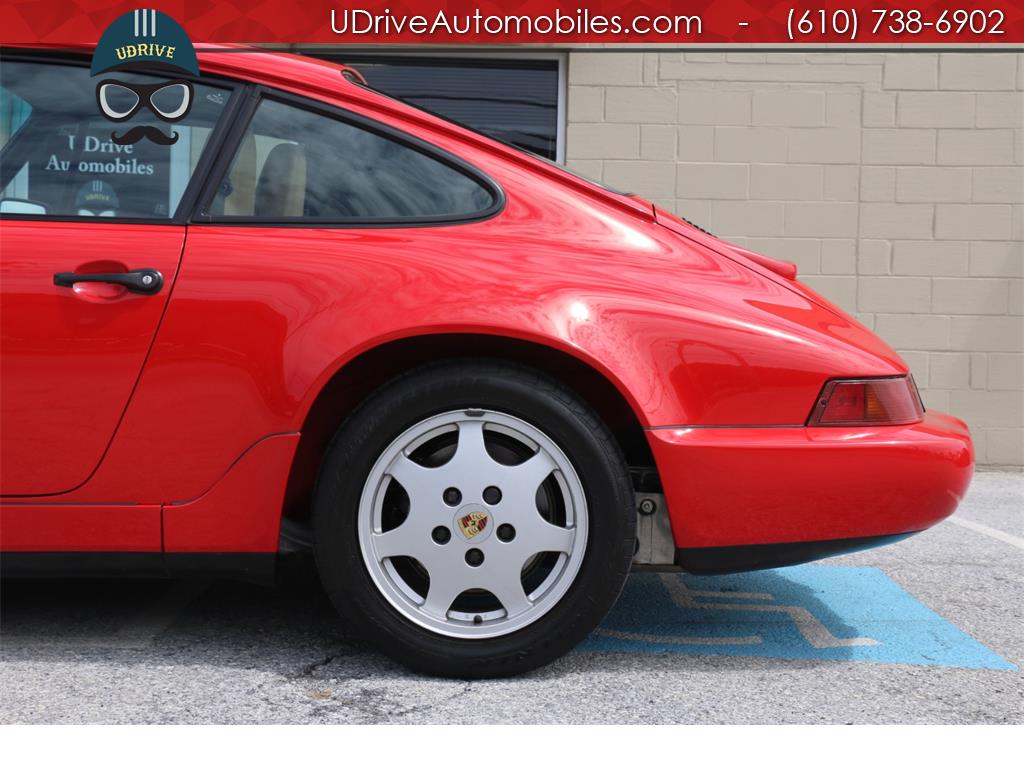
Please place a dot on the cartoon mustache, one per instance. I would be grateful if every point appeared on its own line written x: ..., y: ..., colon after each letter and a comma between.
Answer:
x: 139, y: 132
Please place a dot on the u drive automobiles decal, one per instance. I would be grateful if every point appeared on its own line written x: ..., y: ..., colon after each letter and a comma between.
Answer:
x: 151, y: 42
x: 806, y: 612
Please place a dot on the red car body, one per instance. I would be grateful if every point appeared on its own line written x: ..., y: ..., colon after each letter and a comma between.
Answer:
x: 193, y: 421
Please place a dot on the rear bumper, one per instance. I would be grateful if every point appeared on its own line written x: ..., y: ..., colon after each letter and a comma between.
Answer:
x: 754, y: 557
x: 756, y: 486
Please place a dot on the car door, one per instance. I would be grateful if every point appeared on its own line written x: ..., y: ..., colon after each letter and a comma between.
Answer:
x: 311, y: 208
x: 90, y: 253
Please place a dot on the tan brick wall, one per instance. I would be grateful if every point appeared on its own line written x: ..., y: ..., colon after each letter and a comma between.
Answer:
x: 894, y: 181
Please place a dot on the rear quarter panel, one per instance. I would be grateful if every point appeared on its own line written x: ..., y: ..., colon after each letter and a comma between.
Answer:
x: 262, y: 317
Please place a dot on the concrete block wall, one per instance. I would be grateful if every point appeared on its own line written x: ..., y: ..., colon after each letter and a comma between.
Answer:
x: 895, y: 181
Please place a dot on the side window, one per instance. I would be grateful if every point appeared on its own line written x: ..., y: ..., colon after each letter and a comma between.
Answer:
x: 295, y: 163
x: 58, y: 151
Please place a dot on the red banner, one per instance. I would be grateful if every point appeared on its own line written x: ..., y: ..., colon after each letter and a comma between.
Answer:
x: 370, y: 22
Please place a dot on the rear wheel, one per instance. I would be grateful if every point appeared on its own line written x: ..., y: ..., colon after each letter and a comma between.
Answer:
x: 475, y: 520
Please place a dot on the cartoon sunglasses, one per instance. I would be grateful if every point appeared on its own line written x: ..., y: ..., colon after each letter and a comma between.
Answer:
x: 168, y: 100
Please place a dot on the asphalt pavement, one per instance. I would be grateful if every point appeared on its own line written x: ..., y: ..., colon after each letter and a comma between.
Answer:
x: 924, y: 631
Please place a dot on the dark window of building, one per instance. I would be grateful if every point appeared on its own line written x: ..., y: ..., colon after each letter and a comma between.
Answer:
x: 511, y: 100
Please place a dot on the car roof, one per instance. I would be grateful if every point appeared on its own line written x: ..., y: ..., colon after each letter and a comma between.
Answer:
x: 324, y: 79
x: 317, y: 78
x: 258, y: 64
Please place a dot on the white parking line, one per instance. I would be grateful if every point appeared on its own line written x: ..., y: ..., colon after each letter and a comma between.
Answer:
x: 995, y: 533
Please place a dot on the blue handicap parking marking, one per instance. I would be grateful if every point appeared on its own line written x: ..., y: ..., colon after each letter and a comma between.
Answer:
x: 814, y: 612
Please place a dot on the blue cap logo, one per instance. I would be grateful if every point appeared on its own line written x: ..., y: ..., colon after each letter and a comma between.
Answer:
x: 146, y: 37
x: 150, y: 42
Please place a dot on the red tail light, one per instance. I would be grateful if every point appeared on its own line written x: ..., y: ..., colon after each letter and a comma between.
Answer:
x: 868, y: 402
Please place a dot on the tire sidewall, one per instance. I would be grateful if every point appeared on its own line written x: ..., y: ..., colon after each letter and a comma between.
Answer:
x: 527, y: 396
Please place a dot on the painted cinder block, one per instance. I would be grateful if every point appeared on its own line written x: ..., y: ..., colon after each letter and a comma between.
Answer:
x: 821, y: 219
x: 935, y: 109
x: 789, y: 108
x: 978, y: 71
x: 640, y: 105
x: 903, y: 72
x: 933, y: 185
x: 976, y: 147
x: 930, y: 332
x: 750, y: 144
x: 585, y: 104
x: 899, y: 146
x: 1000, y: 110
x: 605, y: 68
x: 824, y: 145
x: 895, y: 294
x: 603, y: 140
x: 929, y: 257
x: 896, y: 220
x: 728, y: 181
x: 650, y: 178
x: 970, y: 295
x: 714, y: 107
x: 782, y: 181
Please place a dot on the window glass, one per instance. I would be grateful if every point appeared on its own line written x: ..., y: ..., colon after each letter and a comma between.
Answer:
x: 63, y: 157
x: 295, y: 163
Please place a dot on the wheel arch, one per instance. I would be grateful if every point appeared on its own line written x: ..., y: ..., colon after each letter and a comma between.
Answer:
x: 359, y: 376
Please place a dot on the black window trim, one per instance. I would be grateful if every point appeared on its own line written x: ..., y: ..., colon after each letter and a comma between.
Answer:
x: 241, y: 123
x: 240, y: 93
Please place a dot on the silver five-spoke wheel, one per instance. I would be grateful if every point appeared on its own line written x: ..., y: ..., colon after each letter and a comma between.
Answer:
x: 473, y: 523
x: 474, y: 518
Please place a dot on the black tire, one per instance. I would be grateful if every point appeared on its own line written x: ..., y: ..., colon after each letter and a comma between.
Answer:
x: 527, y: 395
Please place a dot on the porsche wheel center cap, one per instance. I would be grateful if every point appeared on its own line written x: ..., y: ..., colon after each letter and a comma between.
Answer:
x: 473, y: 522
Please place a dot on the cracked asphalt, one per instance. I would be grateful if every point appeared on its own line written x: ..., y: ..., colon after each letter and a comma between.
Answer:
x: 102, y: 651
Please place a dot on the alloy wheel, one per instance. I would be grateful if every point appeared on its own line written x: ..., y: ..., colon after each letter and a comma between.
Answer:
x: 473, y: 523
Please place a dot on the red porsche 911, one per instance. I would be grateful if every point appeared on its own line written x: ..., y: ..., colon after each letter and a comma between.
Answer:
x: 295, y: 314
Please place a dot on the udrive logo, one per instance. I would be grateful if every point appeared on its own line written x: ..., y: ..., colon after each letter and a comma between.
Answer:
x: 148, y: 42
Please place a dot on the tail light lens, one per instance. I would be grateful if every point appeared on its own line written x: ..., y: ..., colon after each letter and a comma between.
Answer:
x: 848, y: 402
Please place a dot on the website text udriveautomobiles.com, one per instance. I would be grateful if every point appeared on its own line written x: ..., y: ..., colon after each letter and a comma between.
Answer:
x: 816, y: 23
x: 359, y: 21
